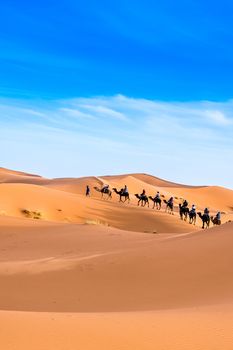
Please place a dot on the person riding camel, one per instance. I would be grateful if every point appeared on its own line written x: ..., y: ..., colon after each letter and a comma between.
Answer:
x: 207, y: 212
x: 193, y: 209
x: 143, y: 193
x: 218, y: 216
x: 185, y: 204
x: 105, y: 188
x: 171, y: 200
x: 157, y: 196
x: 125, y: 190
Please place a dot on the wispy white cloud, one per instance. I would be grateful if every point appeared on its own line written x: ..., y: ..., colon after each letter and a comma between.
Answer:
x: 132, y: 134
x: 218, y: 117
x: 76, y: 113
x: 105, y: 111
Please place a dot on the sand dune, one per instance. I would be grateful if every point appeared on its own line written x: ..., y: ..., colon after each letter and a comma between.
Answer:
x: 64, y: 200
x: 99, y: 274
x: 77, y: 185
x: 103, y: 269
x: 61, y: 206
x: 10, y: 172
x: 12, y: 176
x: 151, y: 180
x: 214, y: 197
x: 169, y: 292
x: 208, y: 328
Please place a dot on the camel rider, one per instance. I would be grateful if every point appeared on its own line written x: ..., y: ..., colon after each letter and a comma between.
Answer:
x: 157, y: 195
x: 171, y: 201
x: 143, y: 193
x: 193, y: 209
x: 218, y: 216
x: 125, y: 190
x: 185, y: 204
x: 105, y: 188
x: 206, y: 212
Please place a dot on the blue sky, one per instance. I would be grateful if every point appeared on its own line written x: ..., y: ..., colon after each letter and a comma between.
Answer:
x: 146, y: 85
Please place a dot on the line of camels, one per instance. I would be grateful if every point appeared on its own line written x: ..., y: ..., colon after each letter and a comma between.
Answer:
x: 143, y: 200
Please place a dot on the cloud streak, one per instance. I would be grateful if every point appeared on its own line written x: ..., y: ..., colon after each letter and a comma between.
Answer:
x: 184, y: 141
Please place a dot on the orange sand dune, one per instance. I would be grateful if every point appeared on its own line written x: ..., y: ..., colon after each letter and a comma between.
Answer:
x: 151, y: 180
x: 94, y: 276
x: 12, y: 176
x: 15, y: 172
x: 75, y: 268
x: 214, y: 197
x: 64, y: 200
x: 208, y: 328
x: 77, y: 185
x: 178, y: 288
x: 63, y: 206
x: 135, y: 182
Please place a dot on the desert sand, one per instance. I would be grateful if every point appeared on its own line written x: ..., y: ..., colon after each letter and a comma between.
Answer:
x: 91, y: 273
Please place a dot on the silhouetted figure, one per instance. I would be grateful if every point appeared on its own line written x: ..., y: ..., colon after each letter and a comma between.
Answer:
x: 143, y: 193
x: 218, y: 216
x: 88, y: 191
x: 157, y: 196
x: 192, y: 215
x: 217, y: 219
x: 105, y: 189
x: 207, y: 212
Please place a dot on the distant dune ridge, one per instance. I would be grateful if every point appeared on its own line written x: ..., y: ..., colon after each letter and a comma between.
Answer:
x: 64, y: 200
x: 99, y: 274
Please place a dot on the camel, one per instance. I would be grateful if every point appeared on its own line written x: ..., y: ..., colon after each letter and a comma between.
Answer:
x: 205, y: 220
x: 183, y: 212
x: 215, y: 221
x: 123, y: 194
x: 192, y: 217
x: 169, y: 207
x: 157, y: 202
x: 106, y: 191
x: 143, y: 199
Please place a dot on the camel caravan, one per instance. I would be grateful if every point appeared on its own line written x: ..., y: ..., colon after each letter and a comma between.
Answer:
x: 186, y: 213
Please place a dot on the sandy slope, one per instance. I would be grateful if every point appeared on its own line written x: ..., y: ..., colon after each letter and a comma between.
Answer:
x: 215, y: 197
x: 63, y: 206
x: 208, y: 328
x: 168, y: 292
x: 12, y: 176
x: 94, y: 276
x: 64, y: 200
x: 88, y: 269
x: 152, y: 180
